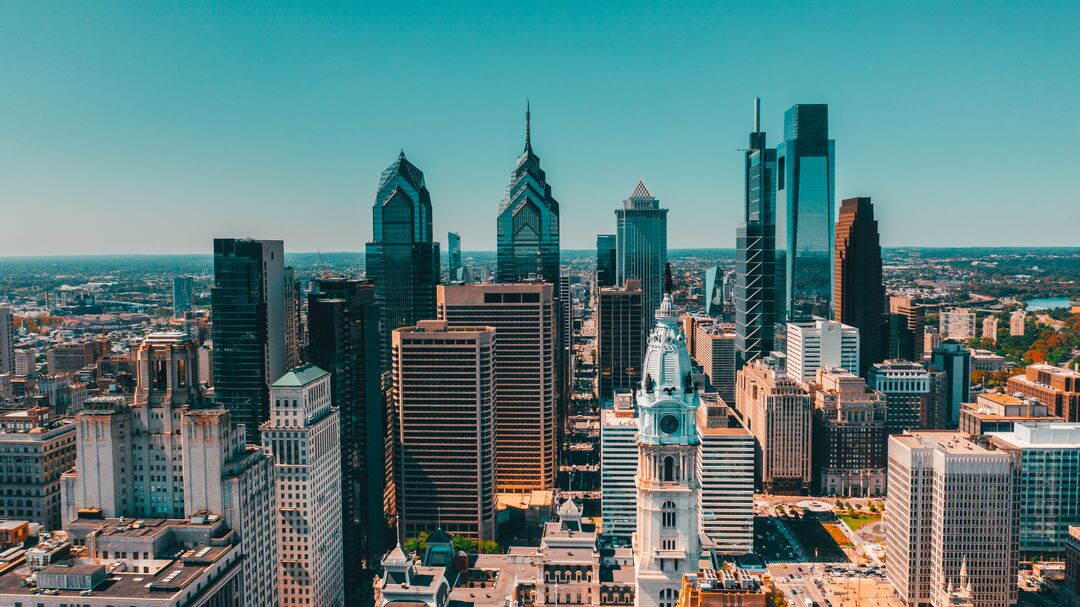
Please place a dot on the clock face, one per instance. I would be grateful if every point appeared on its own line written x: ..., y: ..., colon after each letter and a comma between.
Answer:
x: 669, y: 424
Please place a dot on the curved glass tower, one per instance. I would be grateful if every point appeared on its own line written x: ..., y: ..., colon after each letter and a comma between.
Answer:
x: 528, y: 223
x: 805, y: 175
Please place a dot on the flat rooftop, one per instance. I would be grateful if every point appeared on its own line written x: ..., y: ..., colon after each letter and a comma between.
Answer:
x: 164, y: 585
x: 948, y: 441
x: 1042, y: 436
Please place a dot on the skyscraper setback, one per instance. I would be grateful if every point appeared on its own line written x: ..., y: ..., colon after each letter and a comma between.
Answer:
x: 528, y: 222
x: 642, y: 248
x: 343, y: 339
x: 402, y: 260
x: 248, y: 300
x: 755, y: 256
x: 858, y: 290
x: 523, y: 316
x: 805, y: 177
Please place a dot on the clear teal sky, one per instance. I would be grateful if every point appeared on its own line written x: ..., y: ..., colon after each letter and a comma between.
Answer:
x: 155, y: 126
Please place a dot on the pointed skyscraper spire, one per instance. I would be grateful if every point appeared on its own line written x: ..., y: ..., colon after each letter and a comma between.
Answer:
x: 528, y: 127
x: 401, y: 156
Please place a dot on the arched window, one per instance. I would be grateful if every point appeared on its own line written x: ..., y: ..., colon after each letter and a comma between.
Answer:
x: 667, y: 597
x: 668, y: 519
x: 669, y: 469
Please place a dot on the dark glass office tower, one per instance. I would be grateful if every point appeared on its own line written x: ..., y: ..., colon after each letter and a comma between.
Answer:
x: 605, y: 260
x: 402, y: 259
x: 453, y: 242
x: 528, y: 223
x: 955, y: 360
x: 641, y: 230
x: 248, y: 312
x: 755, y: 257
x: 805, y: 169
x: 858, y: 290
x: 620, y: 349
x: 714, y: 291
x: 343, y: 338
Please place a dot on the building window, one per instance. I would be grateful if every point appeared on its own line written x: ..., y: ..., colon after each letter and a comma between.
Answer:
x: 668, y: 518
x: 669, y: 469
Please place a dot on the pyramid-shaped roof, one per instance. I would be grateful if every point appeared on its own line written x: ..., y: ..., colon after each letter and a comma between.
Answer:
x: 640, y: 191
x: 405, y: 169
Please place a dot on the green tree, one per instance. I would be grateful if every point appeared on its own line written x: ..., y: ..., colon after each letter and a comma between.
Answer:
x: 418, y: 543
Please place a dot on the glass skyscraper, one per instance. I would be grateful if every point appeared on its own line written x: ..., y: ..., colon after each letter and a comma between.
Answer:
x: 453, y: 242
x: 606, y: 263
x: 343, y: 339
x: 248, y: 312
x: 528, y: 222
x: 183, y: 295
x: 402, y: 260
x: 755, y: 257
x: 641, y: 233
x: 805, y: 176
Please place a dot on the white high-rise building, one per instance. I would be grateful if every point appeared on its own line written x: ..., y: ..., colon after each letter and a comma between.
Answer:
x: 821, y: 343
x: 303, y: 434
x: 227, y: 478
x: 950, y: 511
x: 618, y: 469
x: 7, y: 341
x: 667, y: 543
x: 958, y: 324
x: 726, y: 471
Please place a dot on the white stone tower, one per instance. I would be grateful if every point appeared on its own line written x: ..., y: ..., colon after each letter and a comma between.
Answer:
x: 667, y: 543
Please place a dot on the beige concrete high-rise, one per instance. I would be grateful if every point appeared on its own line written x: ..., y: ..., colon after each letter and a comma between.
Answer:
x: 990, y: 329
x: 41, y: 445
x: 160, y: 458
x: 714, y: 350
x: 1017, y: 320
x: 951, y: 507
x: 849, y: 435
x: 777, y: 410
x: 444, y: 397
x: 303, y: 434
x: 523, y: 316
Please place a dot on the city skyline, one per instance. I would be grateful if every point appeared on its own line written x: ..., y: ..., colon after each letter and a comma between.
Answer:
x: 247, y: 129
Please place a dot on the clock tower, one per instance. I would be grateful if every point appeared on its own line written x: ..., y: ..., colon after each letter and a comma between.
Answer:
x: 667, y: 543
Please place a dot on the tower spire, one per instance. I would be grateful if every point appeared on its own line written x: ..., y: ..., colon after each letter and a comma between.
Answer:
x: 528, y: 128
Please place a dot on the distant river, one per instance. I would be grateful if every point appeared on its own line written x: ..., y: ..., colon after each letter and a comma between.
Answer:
x: 1047, y: 303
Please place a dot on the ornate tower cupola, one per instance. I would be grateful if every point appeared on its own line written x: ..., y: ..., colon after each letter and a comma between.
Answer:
x: 667, y: 543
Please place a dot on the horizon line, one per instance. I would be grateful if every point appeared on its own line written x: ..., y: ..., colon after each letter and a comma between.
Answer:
x: 493, y: 251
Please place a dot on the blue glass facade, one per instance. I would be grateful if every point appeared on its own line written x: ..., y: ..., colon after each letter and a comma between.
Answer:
x: 528, y: 223
x: 402, y: 260
x: 641, y: 239
x: 805, y: 178
x: 453, y: 242
x: 755, y: 257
